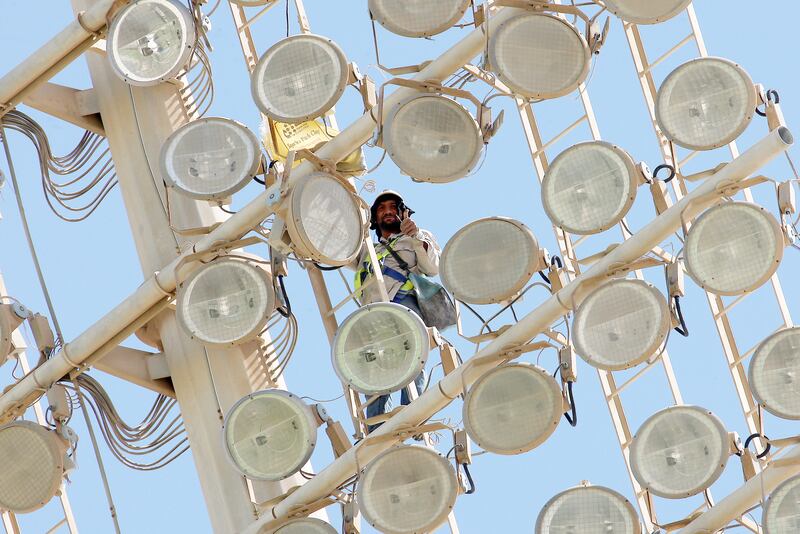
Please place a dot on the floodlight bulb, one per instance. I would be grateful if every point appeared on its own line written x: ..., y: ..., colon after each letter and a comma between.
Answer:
x: 490, y: 260
x: 733, y: 248
x: 380, y: 348
x: 513, y: 408
x: 775, y: 374
x: 306, y: 525
x: 225, y: 302
x: 31, y: 466
x: 782, y: 510
x: 679, y: 451
x: 589, y: 187
x: 588, y: 510
x: 705, y: 103
x: 417, y: 18
x: 269, y: 434
x: 539, y: 55
x: 210, y: 158
x: 325, y: 220
x: 646, y: 11
x: 299, y: 78
x: 151, y: 41
x: 620, y: 324
x: 407, y: 489
x: 432, y: 138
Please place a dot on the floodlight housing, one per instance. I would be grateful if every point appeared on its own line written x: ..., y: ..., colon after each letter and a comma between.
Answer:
x: 705, y: 103
x: 31, y: 466
x: 210, y: 158
x: 490, y: 260
x: 325, y: 220
x: 590, y: 187
x: 620, y: 324
x: 226, y: 302
x: 299, y: 78
x: 646, y: 11
x: 269, y: 434
x: 733, y: 248
x: 588, y: 510
x: 11, y: 316
x: 782, y: 510
x: 513, y: 408
x: 774, y: 372
x: 407, y: 489
x: 539, y: 55
x: 432, y: 138
x: 380, y: 348
x: 417, y: 18
x: 679, y: 451
x: 306, y: 525
x: 151, y: 41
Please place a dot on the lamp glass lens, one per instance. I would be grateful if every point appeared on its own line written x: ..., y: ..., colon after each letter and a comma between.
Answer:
x: 588, y: 510
x: 306, y: 525
x: 589, y: 188
x: 30, y: 466
x: 380, y: 348
x: 620, y: 324
x: 417, y: 18
x: 646, y: 11
x: 679, y: 451
x: 269, y: 435
x: 539, y: 56
x: 512, y: 409
x: 733, y: 248
x: 775, y: 374
x: 782, y: 511
x: 705, y: 103
x: 407, y: 489
x: 433, y: 138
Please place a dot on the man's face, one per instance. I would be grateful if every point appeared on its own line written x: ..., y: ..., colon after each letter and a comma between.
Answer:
x: 388, y: 216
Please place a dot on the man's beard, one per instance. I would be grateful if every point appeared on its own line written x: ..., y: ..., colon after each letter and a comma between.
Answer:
x: 390, y: 227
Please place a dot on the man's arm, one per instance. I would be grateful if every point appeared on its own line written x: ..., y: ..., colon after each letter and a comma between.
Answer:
x: 428, y: 253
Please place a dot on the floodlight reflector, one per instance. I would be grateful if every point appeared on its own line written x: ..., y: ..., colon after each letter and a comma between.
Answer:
x: 539, y: 55
x: 210, y: 158
x: 417, y: 18
x: 407, y: 489
x: 620, y: 324
x: 269, y: 434
x: 705, y: 103
x: 646, y: 11
x: 588, y: 510
x: 380, y: 348
x: 512, y: 409
x: 299, y: 78
x: 733, y: 248
x: 433, y: 138
x: 782, y: 510
x: 306, y: 525
x: 589, y: 187
x: 490, y: 260
x: 31, y: 466
x: 679, y: 451
x: 775, y: 372
x: 226, y: 302
x: 150, y: 41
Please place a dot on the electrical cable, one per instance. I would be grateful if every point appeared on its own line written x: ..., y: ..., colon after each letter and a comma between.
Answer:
x: 472, y: 488
x: 572, y: 420
x: 682, y: 329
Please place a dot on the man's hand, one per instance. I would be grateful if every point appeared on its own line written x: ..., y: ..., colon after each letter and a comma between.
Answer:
x: 407, y: 226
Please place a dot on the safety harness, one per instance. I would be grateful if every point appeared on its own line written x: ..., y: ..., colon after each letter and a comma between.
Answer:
x: 366, y: 269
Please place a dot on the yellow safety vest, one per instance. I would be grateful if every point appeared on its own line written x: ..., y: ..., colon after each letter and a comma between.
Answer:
x: 363, y: 272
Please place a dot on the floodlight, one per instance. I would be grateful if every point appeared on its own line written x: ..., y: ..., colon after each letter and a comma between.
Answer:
x: 306, y: 525
x: 299, y: 78
x: 31, y: 466
x: 432, y: 138
x: 782, y: 510
x: 588, y: 510
x: 733, y: 248
x: 539, y: 55
x: 325, y: 220
x: 150, y: 41
x: 490, y: 260
x: 705, y: 103
x: 407, y: 489
x: 589, y: 187
x: 774, y: 372
x: 380, y: 348
x: 210, y: 158
x: 269, y: 434
x: 417, y: 18
x: 513, y: 408
x: 620, y: 324
x: 646, y: 11
x: 679, y: 451
x: 226, y: 302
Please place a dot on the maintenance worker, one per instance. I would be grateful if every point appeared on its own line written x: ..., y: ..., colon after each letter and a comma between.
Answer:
x: 417, y: 248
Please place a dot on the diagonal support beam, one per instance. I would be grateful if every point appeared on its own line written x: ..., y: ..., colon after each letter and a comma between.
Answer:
x: 66, y: 103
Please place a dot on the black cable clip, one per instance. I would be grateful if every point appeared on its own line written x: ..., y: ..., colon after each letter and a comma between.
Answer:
x: 754, y: 436
x: 662, y: 167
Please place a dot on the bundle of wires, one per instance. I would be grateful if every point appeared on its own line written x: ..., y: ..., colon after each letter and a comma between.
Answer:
x: 276, y: 355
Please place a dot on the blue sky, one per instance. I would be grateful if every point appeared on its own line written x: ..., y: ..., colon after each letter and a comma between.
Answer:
x: 92, y: 265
